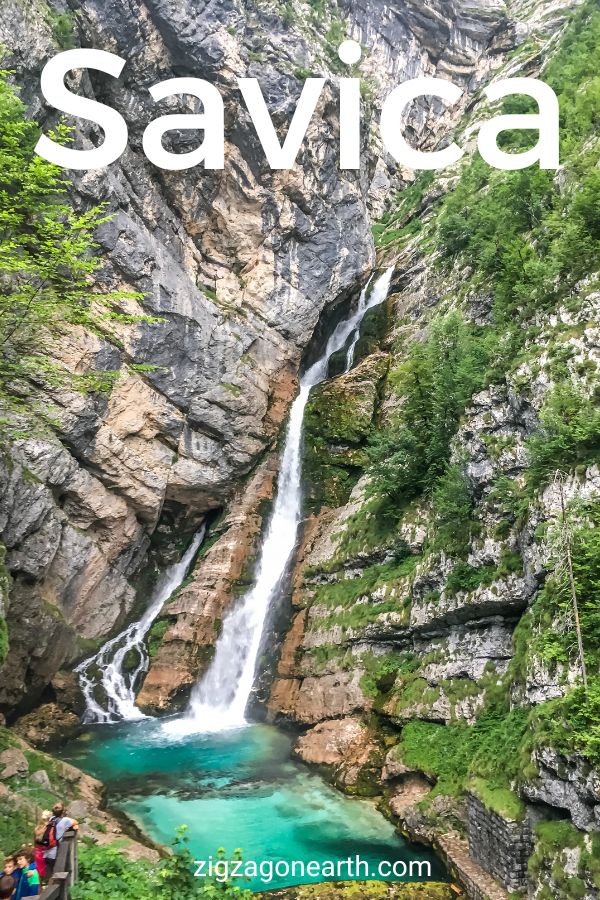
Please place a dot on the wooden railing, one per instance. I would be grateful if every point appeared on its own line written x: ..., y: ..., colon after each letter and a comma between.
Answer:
x: 65, y: 870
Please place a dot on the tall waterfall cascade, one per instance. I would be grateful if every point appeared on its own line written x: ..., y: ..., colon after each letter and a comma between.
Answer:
x: 219, y: 700
x: 107, y: 669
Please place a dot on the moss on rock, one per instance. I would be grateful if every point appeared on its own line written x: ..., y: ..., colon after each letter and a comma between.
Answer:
x: 363, y: 890
x: 338, y: 420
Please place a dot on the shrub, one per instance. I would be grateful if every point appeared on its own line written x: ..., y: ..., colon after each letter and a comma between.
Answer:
x: 453, y: 511
x: 569, y: 436
x: 105, y: 873
x: 436, y: 381
x: 571, y: 723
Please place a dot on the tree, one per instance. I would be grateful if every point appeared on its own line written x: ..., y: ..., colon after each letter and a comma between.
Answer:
x: 47, y: 259
x: 434, y: 384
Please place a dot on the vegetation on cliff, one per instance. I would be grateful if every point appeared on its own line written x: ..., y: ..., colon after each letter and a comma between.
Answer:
x: 488, y: 413
x: 47, y: 259
x: 410, y: 455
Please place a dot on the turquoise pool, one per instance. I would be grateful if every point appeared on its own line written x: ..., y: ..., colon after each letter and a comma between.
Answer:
x: 238, y: 789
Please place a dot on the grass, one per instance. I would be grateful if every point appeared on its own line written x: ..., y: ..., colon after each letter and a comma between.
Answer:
x: 553, y: 839
x: 485, y: 756
x: 346, y: 591
x: 355, y: 602
x: 500, y: 800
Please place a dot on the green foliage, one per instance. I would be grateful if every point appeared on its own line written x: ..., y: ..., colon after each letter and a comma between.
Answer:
x: 456, y: 754
x: 155, y: 635
x: 346, y: 591
x: 464, y: 577
x: 105, y: 872
x: 530, y: 242
x: 491, y: 229
x: 509, y: 498
x: 302, y: 73
x: 373, y: 525
x: 452, y: 512
x: 15, y: 827
x: 402, y: 219
x: 380, y: 672
x: 500, y: 800
x: 46, y: 262
x: 569, y: 436
x: 382, y: 588
x: 552, y: 612
x: 337, y: 422
x: 62, y: 29
x: 553, y: 840
x: 409, y: 455
x: 571, y: 723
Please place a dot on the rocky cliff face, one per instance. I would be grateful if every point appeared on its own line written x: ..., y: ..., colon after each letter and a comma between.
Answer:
x: 396, y: 631
x: 239, y: 265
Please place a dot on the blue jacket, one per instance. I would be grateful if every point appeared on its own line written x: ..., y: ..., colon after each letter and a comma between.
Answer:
x: 27, y: 882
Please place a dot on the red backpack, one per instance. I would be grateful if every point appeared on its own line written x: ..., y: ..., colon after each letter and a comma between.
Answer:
x: 49, y: 838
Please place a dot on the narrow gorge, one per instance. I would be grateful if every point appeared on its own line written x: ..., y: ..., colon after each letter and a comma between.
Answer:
x: 299, y: 530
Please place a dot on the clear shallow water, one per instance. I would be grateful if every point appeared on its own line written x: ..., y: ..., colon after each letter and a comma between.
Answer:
x: 236, y: 789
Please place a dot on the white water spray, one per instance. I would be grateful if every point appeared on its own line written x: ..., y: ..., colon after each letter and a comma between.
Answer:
x: 219, y: 700
x: 119, y: 686
x: 361, y: 310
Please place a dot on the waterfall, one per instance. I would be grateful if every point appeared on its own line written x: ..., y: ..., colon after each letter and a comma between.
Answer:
x: 106, y: 666
x: 361, y: 310
x: 220, y: 698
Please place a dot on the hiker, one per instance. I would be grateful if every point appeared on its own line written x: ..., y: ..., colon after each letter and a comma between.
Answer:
x: 56, y: 829
x: 26, y: 876
x: 40, y: 848
x: 7, y: 886
x: 10, y: 864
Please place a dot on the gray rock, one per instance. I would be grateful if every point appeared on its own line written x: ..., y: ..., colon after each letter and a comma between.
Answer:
x: 79, y: 810
x: 568, y: 784
x: 41, y: 777
x: 13, y: 762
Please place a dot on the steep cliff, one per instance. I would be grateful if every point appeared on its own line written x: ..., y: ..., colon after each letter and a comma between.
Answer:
x: 238, y: 265
x: 453, y: 478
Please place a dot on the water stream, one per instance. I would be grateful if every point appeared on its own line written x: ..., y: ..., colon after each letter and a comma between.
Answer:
x: 107, y: 667
x: 220, y: 698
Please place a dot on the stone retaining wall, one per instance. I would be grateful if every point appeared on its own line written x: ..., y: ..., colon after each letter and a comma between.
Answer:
x: 501, y: 846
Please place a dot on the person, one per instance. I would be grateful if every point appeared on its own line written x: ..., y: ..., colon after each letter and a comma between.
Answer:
x: 57, y: 827
x: 26, y: 876
x: 40, y: 848
x: 7, y: 886
x: 10, y: 864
